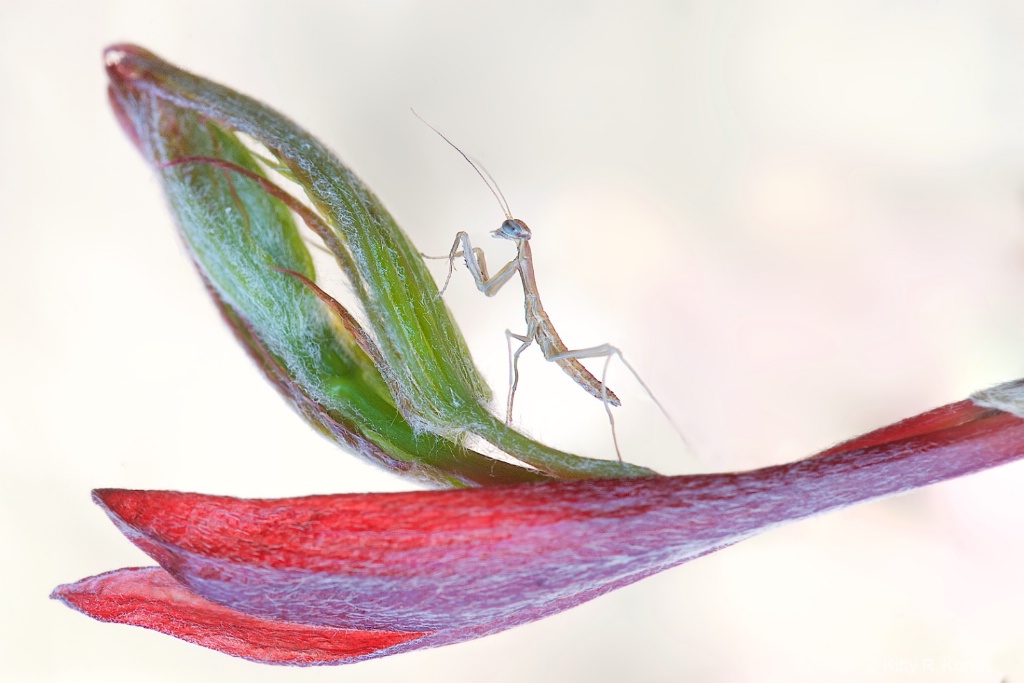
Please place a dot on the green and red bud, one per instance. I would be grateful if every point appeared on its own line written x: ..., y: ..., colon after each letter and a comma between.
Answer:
x: 404, y: 392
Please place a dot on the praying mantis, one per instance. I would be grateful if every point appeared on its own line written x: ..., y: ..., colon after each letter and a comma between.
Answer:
x: 539, y: 328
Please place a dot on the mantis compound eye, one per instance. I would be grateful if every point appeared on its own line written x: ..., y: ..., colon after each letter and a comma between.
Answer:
x: 513, y: 229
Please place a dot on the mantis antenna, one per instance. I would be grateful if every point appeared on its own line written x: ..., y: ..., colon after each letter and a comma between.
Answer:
x: 484, y: 174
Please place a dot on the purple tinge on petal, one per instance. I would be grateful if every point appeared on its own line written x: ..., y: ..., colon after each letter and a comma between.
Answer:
x: 151, y: 598
x: 480, y: 560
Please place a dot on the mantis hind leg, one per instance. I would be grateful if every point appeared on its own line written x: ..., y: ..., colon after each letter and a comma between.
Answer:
x: 606, y: 351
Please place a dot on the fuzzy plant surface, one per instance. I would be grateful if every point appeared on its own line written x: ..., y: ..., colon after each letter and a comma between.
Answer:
x: 236, y: 222
x: 343, y: 578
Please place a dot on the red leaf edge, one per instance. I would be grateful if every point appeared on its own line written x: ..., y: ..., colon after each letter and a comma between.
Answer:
x: 151, y: 598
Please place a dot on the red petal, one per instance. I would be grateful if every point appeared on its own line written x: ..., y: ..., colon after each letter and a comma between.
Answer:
x: 456, y: 560
x: 151, y: 598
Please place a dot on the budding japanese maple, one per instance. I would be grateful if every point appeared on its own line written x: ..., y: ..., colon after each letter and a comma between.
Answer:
x: 403, y: 392
x: 341, y: 578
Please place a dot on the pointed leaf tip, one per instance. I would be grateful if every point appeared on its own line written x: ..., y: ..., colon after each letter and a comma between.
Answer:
x: 126, y: 62
x: 149, y: 597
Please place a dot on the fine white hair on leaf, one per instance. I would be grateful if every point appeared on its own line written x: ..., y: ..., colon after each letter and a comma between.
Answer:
x: 1008, y: 397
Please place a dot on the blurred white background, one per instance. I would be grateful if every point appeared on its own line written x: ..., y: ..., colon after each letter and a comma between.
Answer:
x: 799, y: 220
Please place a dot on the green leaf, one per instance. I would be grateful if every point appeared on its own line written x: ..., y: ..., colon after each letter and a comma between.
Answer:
x: 422, y: 356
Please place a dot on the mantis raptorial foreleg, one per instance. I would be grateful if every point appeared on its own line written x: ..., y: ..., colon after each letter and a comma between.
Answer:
x: 477, y: 264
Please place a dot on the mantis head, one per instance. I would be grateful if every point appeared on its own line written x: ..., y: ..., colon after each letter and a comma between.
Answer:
x: 513, y: 229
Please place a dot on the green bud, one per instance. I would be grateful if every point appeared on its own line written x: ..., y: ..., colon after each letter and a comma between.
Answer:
x: 405, y: 393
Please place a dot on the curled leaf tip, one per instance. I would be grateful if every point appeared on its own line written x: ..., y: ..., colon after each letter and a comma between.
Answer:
x: 149, y: 597
x: 126, y: 62
x: 1008, y: 397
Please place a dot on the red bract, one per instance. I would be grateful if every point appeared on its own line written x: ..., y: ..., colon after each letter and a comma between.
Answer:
x: 330, y: 579
x: 150, y: 597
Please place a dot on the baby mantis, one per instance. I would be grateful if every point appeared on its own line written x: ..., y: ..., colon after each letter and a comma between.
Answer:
x: 539, y: 327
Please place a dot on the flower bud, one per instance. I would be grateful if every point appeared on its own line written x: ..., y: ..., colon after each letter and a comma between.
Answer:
x: 405, y: 393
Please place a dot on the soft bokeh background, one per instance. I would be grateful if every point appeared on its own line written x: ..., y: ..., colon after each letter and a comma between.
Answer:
x: 800, y: 220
